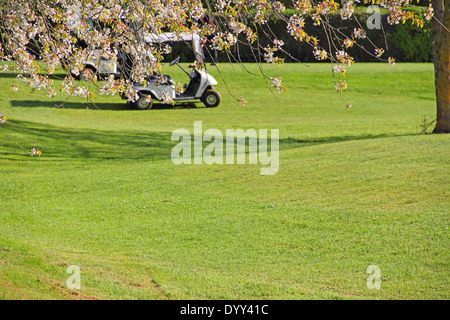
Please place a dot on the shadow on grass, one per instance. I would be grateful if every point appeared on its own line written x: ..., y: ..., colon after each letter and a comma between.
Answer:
x: 11, y: 75
x: 63, y: 143
x: 68, y: 105
x: 291, y: 143
x: 8, y: 75
x: 99, y: 106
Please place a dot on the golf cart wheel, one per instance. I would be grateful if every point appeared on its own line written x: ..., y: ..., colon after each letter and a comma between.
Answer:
x: 144, y: 101
x: 211, y: 98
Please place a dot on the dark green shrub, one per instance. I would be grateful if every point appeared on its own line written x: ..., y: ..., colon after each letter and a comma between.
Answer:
x: 414, y: 44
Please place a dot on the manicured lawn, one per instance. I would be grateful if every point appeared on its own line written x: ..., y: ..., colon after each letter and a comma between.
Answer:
x: 355, y: 188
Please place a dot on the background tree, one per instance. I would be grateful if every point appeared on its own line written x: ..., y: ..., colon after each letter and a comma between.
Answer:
x: 39, y: 36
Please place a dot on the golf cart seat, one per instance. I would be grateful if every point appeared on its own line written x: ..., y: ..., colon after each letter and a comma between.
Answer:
x: 160, y: 79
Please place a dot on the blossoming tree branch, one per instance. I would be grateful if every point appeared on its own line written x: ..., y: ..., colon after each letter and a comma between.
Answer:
x: 37, y: 37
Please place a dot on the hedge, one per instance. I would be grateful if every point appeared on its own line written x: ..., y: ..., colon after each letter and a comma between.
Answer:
x: 405, y: 42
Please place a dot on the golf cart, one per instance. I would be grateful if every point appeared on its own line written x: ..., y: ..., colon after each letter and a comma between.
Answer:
x: 161, y: 87
x: 98, y: 65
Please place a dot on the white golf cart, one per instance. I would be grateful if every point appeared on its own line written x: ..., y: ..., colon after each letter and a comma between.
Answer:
x: 161, y: 87
x: 98, y: 65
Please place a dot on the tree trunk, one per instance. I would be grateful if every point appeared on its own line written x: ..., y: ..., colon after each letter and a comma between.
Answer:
x: 440, y: 38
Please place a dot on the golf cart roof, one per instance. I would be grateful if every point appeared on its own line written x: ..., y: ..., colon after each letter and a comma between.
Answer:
x: 193, y: 38
x: 170, y: 37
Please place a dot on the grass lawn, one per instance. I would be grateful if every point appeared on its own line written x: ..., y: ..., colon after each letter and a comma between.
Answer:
x: 355, y: 188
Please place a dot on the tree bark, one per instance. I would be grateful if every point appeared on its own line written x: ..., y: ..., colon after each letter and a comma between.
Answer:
x: 440, y: 38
